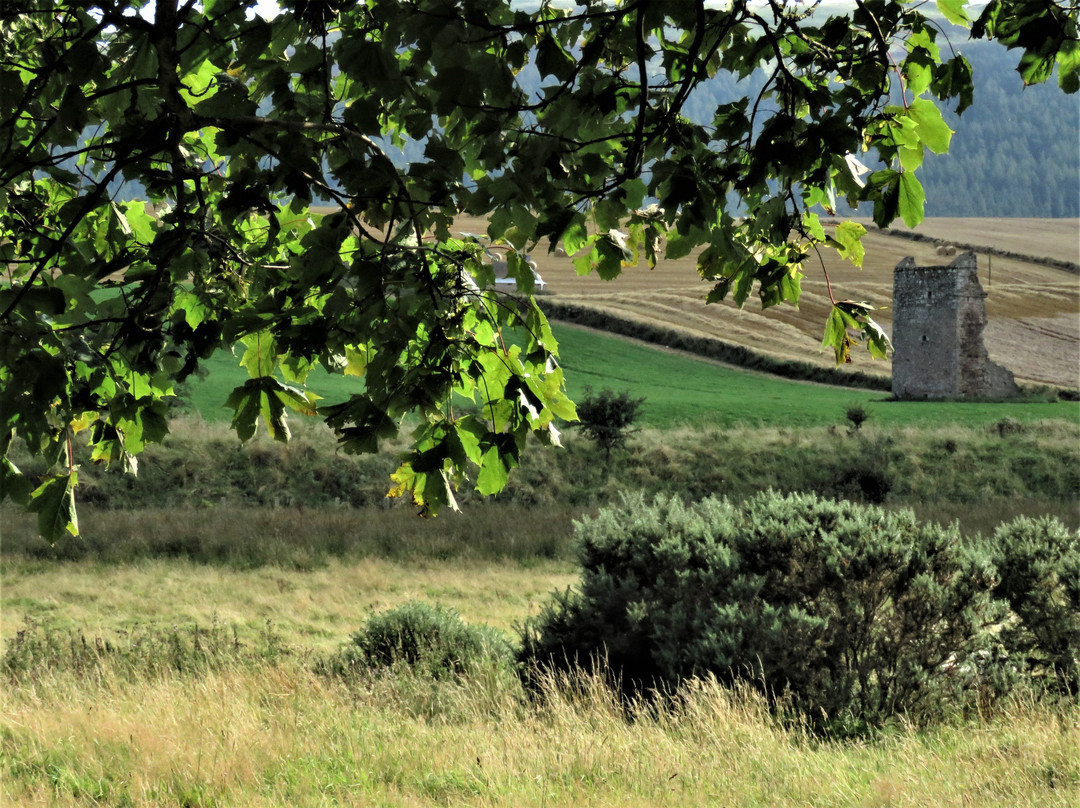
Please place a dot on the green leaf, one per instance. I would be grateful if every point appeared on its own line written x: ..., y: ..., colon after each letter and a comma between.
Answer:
x: 301, y: 401
x: 260, y: 354
x: 934, y: 133
x: 954, y: 11
x: 848, y: 237
x: 1035, y: 68
x: 272, y: 409
x: 14, y: 485
x: 877, y: 341
x: 1069, y: 68
x: 836, y: 336
x: 245, y: 402
x: 576, y: 237
x: 54, y: 503
x: 493, y: 473
x: 911, y: 199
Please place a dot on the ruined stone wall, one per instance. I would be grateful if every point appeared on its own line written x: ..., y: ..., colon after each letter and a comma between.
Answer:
x: 939, y: 314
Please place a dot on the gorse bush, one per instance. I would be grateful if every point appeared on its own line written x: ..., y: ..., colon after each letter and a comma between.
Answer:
x: 845, y: 612
x: 1038, y: 563
x: 431, y: 640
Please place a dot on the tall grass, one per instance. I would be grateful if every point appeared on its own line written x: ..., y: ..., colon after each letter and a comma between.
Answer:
x: 282, y: 735
x: 244, y: 536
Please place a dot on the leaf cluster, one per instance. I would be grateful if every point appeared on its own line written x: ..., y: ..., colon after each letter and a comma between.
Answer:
x: 196, y: 177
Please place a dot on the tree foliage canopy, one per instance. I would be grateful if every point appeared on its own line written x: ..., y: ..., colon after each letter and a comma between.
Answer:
x: 233, y: 127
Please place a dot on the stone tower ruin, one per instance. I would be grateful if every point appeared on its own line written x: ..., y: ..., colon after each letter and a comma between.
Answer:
x: 939, y: 314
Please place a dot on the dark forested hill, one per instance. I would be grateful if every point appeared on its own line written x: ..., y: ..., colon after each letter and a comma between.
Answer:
x: 1016, y: 151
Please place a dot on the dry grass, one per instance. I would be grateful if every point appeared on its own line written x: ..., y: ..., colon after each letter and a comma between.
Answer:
x: 317, y: 609
x: 1034, y: 310
x: 273, y: 733
x: 284, y: 736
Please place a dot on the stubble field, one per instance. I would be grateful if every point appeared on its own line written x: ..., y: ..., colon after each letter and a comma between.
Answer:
x: 1033, y: 309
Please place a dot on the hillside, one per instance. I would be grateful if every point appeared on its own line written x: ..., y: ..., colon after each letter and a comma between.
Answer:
x: 1033, y: 309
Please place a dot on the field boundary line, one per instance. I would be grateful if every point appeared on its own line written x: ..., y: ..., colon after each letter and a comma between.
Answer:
x: 709, y: 347
x: 1052, y: 263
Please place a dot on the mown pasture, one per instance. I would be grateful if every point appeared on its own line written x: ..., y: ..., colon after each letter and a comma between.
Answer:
x: 683, y: 390
x: 1033, y: 328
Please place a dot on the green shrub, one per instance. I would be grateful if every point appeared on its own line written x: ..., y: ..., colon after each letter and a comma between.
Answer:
x: 432, y: 640
x: 857, y: 415
x: 606, y: 418
x: 1038, y: 564
x: 845, y: 612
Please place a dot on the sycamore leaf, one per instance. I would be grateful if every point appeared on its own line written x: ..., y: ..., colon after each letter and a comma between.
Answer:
x: 576, y: 237
x: 934, y: 133
x: 245, y: 403
x: 911, y: 199
x: 13, y: 483
x: 82, y: 421
x: 54, y: 503
x: 954, y: 12
x: 848, y: 241
x: 260, y: 355
x: 836, y: 336
x: 301, y: 401
x: 856, y: 168
x: 493, y: 473
x: 406, y: 481
x: 877, y: 341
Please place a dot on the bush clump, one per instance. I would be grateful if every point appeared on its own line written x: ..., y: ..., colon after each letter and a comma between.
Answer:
x: 606, y: 418
x: 1038, y: 574
x: 845, y: 612
x: 431, y: 640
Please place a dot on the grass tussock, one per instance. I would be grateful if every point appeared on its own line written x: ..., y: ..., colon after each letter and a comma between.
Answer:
x: 280, y: 734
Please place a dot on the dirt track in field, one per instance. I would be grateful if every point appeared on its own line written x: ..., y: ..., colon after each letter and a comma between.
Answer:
x: 1033, y: 309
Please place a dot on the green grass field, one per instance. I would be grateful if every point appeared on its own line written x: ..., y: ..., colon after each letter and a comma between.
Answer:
x: 682, y: 390
x: 189, y: 674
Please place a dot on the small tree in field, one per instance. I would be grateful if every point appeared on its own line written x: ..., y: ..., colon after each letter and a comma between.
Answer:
x: 606, y: 418
x: 856, y: 415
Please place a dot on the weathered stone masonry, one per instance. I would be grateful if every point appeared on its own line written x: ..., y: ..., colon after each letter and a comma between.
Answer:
x: 939, y: 314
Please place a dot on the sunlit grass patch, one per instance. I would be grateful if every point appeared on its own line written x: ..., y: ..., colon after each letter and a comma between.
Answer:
x: 282, y: 735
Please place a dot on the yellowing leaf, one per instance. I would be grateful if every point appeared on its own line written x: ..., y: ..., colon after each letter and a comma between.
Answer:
x: 83, y: 421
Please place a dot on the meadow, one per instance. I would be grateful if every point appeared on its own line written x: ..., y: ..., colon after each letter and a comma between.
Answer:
x: 179, y: 653
x: 180, y: 684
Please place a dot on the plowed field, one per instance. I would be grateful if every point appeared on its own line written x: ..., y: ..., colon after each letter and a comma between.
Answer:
x: 1033, y: 310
